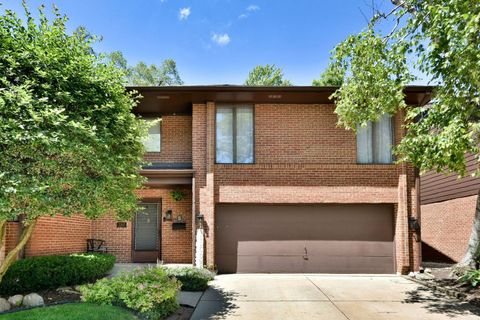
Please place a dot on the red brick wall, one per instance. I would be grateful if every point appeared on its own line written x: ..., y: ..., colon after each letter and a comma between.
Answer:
x: 176, y: 144
x: 302, y: 157
x: 117, y: 240
x: 59, y: 235
x: 446, y: 228
x: 301, y: 133
x: 176, y: 244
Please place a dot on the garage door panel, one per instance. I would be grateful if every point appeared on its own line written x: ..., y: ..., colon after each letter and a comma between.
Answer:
x: 350, y: 248
x: 270, y: 264
x: 285, y: 247
x: 274, y: 238
x: 349, y: 264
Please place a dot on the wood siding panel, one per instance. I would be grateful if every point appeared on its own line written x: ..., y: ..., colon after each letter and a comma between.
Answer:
x: 437, y: 187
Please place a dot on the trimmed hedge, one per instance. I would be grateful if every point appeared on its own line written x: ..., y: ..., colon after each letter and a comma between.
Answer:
x: 150, y: 292
x: 49, y: 272
x: 192, y: 279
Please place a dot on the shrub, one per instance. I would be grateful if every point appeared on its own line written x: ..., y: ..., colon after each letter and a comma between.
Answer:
x: 150, y: 292
x: 471, y: 276
x: 48, y: 272
x: 192, y: 279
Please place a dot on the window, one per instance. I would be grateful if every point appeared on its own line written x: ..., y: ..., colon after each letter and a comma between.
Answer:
x: 374, y: 142
x: 153, y: 141
x: 234, y: 134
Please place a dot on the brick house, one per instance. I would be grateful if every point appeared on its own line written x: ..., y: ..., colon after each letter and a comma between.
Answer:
x: 273, y: 182
x: 448, y: 210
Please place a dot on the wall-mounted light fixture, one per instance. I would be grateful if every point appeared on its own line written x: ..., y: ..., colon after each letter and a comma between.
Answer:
x: 200, y: 218
x: 168, y: 215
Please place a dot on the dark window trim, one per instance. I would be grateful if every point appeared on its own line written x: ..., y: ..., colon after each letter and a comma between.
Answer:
x: 392, y: 144
x: 234, y: 107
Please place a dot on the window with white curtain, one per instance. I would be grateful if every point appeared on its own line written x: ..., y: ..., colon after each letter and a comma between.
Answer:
x: 374, y: 142
x: 152, y: 142
x: 234, y: 134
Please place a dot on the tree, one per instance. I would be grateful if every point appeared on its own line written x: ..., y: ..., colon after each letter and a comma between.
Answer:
x: 442, y: 37
x: 331, y: 76
x: 267, y: 75
x: 69, y: 142
x: 147, y: 75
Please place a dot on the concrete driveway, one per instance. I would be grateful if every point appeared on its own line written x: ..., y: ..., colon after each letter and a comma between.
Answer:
x: 328, y: 297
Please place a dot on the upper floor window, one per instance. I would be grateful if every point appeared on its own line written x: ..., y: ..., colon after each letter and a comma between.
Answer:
x: 374, y: 142
x: 234, y: 134
x: 153, y: 141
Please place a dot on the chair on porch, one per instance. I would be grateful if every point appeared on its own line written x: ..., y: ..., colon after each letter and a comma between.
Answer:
x: 96, y: 245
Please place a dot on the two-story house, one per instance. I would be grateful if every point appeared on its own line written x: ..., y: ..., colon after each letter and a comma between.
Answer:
x: 273, y: 182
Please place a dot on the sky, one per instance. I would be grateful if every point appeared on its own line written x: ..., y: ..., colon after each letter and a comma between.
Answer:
x: 219, y: 41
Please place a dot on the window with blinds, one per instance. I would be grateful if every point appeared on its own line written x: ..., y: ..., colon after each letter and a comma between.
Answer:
x: 234, y: 134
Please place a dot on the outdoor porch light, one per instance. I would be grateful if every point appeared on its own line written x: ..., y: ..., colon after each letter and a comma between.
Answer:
x: 168, y: 215
x: 200, y: 219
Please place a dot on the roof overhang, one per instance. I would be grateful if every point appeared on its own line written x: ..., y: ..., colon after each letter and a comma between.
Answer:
x: 158, y: 177
x: 179, y: 99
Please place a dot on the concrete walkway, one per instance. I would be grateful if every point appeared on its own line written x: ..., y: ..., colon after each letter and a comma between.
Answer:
x: 326, y: 297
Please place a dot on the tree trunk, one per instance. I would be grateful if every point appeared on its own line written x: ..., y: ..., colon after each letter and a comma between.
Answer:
x: 473, y: 249
x: 13, y: 255
x: 3, y: 229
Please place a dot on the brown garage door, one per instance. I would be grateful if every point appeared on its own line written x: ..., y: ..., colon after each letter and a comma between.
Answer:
x: 304, y: 238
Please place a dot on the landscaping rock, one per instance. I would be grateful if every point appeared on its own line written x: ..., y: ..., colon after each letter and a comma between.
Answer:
x: 4, y: 305
x: 16, y: 300
x: 33, y: 300
x: 411, y: 274
x: 64, y: 289
x: 68, y: 290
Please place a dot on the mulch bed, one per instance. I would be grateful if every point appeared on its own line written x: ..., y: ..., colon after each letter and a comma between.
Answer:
x: 56, y: 297
x: 444, y: 281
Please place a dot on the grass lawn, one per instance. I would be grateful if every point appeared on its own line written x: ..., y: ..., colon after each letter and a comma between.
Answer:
x: 72, y: 311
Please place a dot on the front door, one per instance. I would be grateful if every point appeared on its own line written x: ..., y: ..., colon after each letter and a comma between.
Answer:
x: 146, y: 235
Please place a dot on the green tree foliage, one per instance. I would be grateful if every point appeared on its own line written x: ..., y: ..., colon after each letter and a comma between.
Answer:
x: 331, y: 76
x: 442, y: 38
x: 142, y: 74
x: 68, y: 139
x: 267, y: 75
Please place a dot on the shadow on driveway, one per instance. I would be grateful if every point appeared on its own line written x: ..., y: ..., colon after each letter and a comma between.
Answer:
x: 439, y: 303
x: 216, y: 303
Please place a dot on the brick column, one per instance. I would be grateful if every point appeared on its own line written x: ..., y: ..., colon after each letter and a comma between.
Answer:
x: 203, y: 158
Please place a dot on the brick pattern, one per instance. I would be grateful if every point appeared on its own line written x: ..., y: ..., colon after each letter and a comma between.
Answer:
x: 301, y: 156
x: 446, y: 228
x: 117, y: 240
x: 176, y: 245
x: 301, y: 133
x: 59, y: 235
x: 176, y: 144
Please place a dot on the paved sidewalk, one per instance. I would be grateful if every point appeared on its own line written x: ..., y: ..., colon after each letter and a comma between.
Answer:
x: 329, y: 297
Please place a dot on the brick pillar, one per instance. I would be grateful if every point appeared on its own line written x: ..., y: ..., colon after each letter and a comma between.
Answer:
x: 203, y: 158
x: 208, y: 192
x: 199, y: 138
x: 402, y: 243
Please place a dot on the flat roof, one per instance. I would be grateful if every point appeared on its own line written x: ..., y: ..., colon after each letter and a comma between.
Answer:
x: 179, y: 99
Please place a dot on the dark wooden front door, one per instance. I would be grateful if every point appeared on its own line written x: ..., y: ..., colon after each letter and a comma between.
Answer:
x: 304, y: 238
x: 146, y: 235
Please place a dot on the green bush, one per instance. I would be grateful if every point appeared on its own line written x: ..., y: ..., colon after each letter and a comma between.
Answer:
x: 471, y: 276
x: 192, y: 279
x: 150, y: 292
x: 49, y: 272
